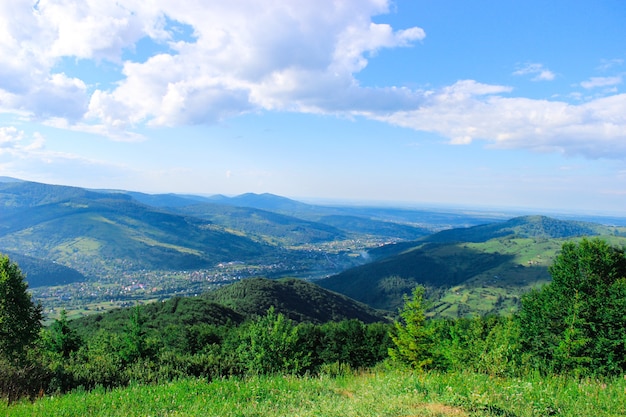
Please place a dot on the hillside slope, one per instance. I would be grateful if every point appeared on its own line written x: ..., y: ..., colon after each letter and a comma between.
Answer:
x: 96, y: 232
x: 479, y: 269
x: 39, y: 272
x: 159, y: 317
x: 297, y: 299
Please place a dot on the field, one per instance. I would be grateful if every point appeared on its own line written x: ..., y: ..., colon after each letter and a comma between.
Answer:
x: 375, y: 393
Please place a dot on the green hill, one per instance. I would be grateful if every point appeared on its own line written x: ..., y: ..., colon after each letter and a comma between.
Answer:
x: 160, y: 317
x: 479, y: 269
x: 99, y: 232
x: 41, y: 273
x: 265, y: 225
x: 297, y: 299
x: 540, y: 227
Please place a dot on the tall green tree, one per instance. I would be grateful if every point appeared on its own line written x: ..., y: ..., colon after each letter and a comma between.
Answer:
x: 60, y: 338
x: 412, y: 338
x: 20, y: 318
x: 270, y: 345
x: 577, y: 322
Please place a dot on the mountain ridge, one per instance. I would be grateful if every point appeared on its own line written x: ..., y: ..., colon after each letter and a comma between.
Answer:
x: 496, y: 261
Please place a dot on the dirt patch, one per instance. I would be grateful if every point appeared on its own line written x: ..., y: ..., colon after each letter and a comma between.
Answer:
x: 439, y: 410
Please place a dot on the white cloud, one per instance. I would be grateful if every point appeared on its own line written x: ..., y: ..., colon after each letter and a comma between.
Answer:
x: 25, y: 156
x: 249, y: 55
x: 15, y: 143
x: 595, y: 82
x: 243, y: 56
x: 305, y: 62
x: 10, y: 137
x: 465, y: 112
x: 540, y: 73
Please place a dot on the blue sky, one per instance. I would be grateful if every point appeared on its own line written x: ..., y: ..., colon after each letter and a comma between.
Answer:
x: 487, y: 103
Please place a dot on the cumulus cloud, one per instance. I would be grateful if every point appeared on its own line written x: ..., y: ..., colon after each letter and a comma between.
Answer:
x: 242, y: 56
x: 467, y: 111
x: 286, y: 57
x: 247, y: 55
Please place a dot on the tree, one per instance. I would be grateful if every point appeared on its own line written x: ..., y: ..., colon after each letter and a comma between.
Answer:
x: 413, y: 340
x: 269, y: 345
x: 60, y: 338
x: 577, y: 323
x: 20, y: 318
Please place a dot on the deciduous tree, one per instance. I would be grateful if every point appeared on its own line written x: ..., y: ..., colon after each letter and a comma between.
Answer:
x: 20, y: 318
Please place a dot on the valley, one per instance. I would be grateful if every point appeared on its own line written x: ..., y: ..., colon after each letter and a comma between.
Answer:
x: 88, y: 251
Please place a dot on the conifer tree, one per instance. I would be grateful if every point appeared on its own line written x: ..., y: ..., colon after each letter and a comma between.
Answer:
x: 413, y: 340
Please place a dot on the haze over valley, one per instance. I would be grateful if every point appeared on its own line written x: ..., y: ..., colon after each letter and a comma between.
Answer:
x: 92, y: 250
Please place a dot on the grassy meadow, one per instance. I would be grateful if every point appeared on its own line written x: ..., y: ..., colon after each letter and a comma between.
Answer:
x: 379, y: 392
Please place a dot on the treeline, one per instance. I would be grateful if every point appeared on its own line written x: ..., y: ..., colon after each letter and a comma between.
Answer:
x: 61, y: 360
x: 574, y: 326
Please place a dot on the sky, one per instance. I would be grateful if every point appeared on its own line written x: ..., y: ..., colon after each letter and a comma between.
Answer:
x: 488, y: 103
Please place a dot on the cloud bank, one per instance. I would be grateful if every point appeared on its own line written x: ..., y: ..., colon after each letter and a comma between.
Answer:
x: 212, y: 62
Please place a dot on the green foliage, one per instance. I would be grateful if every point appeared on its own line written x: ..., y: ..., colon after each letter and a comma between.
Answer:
x: 480, y: 344
x: 28, y: 378
x: 20, y: 318
x: 59, y: 338
x: 412, y: 338
x: 577, y: 323
x: 39, y: 272
x: 297, y: 299
x: 269, y: 345
x: 353, y: 343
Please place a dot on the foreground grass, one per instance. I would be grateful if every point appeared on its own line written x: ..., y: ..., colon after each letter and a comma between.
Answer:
x: 384, y: 393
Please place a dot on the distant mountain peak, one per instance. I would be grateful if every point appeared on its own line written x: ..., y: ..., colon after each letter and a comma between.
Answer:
x: 10, y: 179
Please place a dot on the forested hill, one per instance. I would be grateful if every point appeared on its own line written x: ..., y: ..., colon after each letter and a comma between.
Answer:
x: 481, y: 269
x: 296, y: 299
x: 41, y: 273
x: 160, y: 317
x: 540, y: 227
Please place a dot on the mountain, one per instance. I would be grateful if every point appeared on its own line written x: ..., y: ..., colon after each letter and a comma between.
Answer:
x: 9, y: 179
x: 40, y: 273
x: 479, y: 269
x: 99, y: 231
x: 280, y: 220
x: 403, y: 223
x: 526, y: 226
x: 166, y: 200
x: 297, y: 299
x: 265, y: 201
x: 265, y: 225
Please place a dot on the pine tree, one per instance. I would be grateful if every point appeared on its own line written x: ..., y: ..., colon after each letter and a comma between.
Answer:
x: 413, y: 340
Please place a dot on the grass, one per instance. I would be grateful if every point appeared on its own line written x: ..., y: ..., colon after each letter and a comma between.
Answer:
x: 380, y: 393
